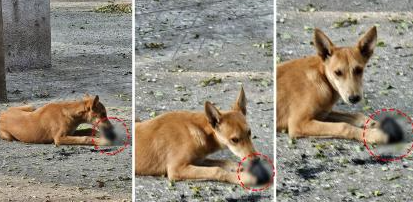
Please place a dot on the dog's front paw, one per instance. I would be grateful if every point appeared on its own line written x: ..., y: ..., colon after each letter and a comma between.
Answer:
x: 363, y: 122
x: 372, y: 124
x: 248, y: 179
x: 375, y: 135
x: 232, y: 166
x: 103, y: 142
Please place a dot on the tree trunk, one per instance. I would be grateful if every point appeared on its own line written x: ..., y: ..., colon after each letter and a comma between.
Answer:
x: 3, y: 90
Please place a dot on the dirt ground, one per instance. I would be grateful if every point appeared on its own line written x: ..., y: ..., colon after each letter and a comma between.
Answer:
x: 189, y: 52
x: 91, y: 52
x: 340, y: 170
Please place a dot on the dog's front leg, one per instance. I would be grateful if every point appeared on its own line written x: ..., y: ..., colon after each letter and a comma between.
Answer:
x: 192, y: 172
x: 224, y: 164
x: 318, y: 129
x: 357, y: 119
x: 83, y: 140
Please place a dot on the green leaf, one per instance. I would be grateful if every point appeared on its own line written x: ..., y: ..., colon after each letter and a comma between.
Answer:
x: 392, y: 177
x: 381, y: 44
x: 308, y: 8
x: 377, y: 193
x: 367, y: 108
x: 115, y: 8
x: 152, y: 114
x: 286, y: 36
x: 154, y: 45
x: 384, y: 92
x: 159, y: 94
x: 211, y: 81
x: 347, y: 22
x: 180, y: 88
x: 278, y: 59
x: 308, y: 28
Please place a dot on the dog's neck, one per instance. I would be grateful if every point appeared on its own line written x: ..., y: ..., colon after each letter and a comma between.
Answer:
x: 322, y: 71
x: 211, y: 143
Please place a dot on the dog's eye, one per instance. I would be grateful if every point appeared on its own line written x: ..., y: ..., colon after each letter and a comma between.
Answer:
x: 234, y: 140
x: 338, y: 72
x: 358, y: 71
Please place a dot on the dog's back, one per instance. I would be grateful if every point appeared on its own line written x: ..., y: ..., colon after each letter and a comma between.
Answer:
x: 169, y: 136
x: 30, y: 126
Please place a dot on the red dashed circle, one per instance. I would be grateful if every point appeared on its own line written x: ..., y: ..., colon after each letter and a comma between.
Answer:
x: 371, y: 117
x: 126, y: 143
x: 239, y: 170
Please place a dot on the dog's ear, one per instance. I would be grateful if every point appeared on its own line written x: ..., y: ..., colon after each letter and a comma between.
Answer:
x: 367, y: 43
x: 323, y: 44
x: 213, y: 114
x: 95, y: 103
x: 241, y: 102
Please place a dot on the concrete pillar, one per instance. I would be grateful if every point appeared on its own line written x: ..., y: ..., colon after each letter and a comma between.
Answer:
x: 26, y: 33
x: 3, y: 89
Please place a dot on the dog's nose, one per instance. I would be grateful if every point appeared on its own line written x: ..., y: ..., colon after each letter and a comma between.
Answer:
x: 354, y: 99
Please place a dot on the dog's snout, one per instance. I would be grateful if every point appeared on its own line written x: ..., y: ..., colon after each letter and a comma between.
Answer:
x: 354, y: 99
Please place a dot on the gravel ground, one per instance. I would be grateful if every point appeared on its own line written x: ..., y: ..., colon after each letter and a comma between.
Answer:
x: 181, y: 45
x: 340, y: 170
x: 91, y: 52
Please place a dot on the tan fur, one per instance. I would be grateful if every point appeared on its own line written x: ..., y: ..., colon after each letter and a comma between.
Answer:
x: 176, y: 143
x: 308, y: 88
x: 53, y: 123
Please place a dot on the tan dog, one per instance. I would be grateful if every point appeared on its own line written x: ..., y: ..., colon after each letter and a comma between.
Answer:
x: 55, y: 123
x: 176, y: 143
x: 307, y: 89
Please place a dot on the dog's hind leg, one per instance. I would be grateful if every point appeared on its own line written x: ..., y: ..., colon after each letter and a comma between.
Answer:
x: 191, y: 172
x: 357, y: 119
x: 26, y: 108
x: 6, y: 136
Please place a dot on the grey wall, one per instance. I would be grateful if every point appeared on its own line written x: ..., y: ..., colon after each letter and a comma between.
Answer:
x: 27, y: 35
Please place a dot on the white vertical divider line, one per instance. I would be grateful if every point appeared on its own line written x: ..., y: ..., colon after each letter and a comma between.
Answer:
x: 133, y: 101
x: 274, y: 55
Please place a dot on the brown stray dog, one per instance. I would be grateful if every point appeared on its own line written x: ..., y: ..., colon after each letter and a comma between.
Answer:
x: 307, y: 89
x: 54, y: 123
x: 176, y: 144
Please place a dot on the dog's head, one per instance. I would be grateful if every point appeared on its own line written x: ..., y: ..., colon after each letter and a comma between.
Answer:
x: 95, y: 110
x: 344, y: 66
x: 231, y: 127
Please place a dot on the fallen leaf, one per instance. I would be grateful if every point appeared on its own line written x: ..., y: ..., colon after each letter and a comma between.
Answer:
x: 347, y: 22
x: 210, y: 81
